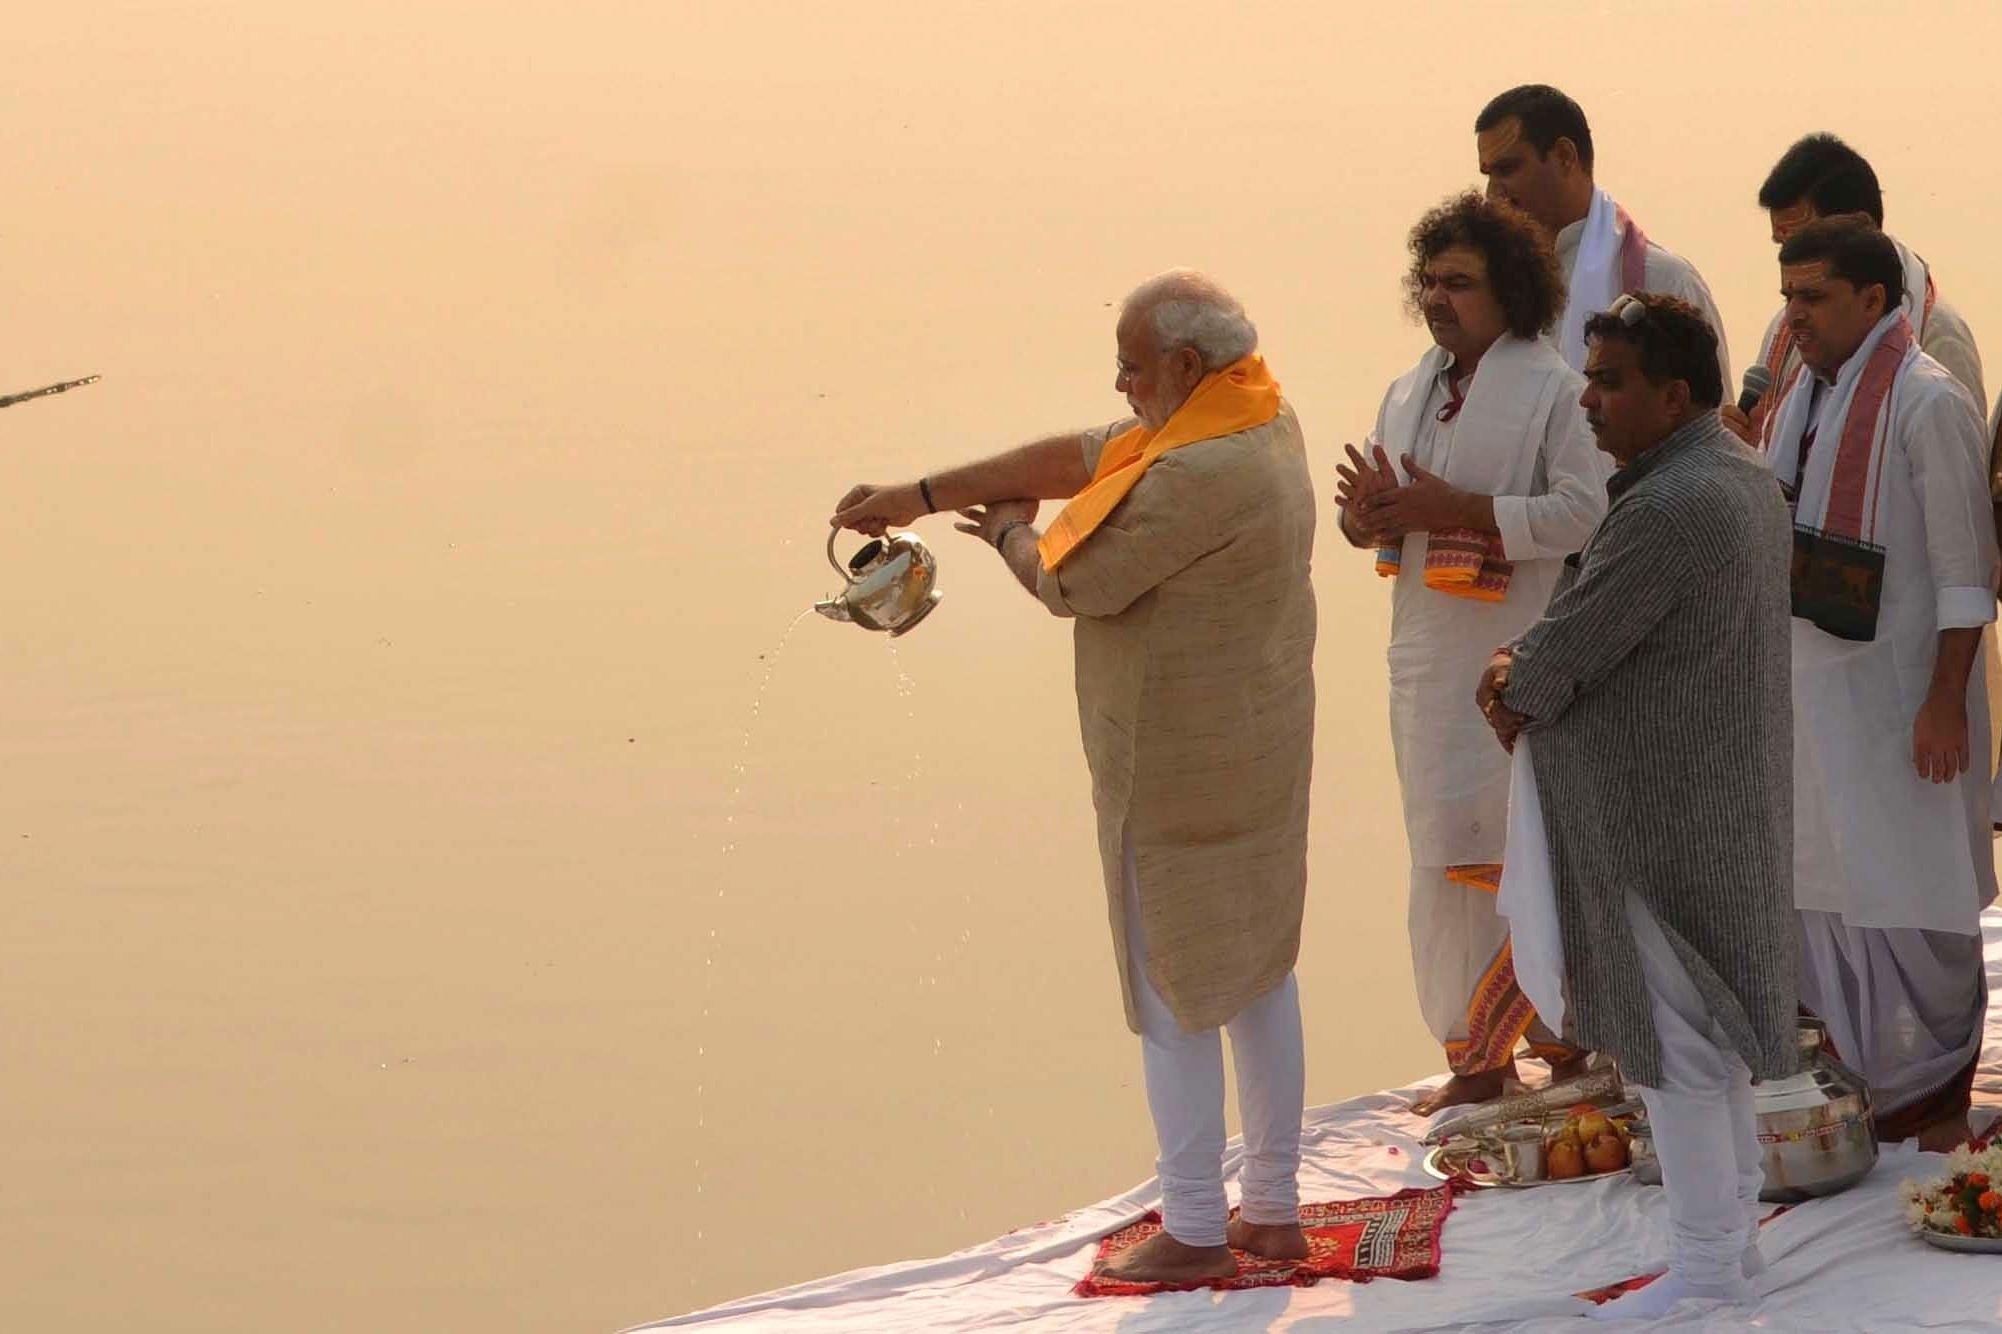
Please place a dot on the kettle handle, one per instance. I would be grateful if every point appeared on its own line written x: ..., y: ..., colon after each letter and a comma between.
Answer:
x: 847, y: 576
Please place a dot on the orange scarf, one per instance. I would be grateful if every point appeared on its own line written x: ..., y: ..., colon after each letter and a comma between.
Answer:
x: 1238, y: 397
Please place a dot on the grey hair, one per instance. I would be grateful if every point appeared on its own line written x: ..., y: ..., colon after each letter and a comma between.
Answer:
x: 1191, y: 309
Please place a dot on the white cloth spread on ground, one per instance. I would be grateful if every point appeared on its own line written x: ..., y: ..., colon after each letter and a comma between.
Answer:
x: 1841, y: 1265
x: 1528, y: 897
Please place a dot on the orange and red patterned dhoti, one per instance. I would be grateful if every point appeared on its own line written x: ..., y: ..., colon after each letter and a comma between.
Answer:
x: 1465, y: 971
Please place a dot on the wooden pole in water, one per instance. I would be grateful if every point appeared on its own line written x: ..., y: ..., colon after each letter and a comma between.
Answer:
x: 11, y: 399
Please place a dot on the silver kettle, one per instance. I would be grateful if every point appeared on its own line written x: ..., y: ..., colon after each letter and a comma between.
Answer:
x: 890, y: 584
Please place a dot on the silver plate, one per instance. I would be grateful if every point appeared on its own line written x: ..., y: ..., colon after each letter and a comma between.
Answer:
x: 1953, y: 1241
x: 1435, y: 1168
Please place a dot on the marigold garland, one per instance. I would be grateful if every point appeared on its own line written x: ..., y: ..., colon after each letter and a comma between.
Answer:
x: 1963, y: 1201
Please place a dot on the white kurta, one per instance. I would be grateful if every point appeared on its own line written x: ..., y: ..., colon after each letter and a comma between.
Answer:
x: 1943, y: 335
x: 1994, y: 449
x: 1875, y: 843
x: 1665, y: 272
x: 1453, y: 776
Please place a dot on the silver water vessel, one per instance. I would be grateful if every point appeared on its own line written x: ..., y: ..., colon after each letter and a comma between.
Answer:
x: 891, y: 584
x: 1816, y: 1132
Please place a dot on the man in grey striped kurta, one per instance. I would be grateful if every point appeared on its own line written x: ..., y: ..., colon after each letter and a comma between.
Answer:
x: 1654, y: 698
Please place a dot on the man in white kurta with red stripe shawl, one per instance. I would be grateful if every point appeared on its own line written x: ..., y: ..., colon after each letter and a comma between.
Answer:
x: 1883, y: 454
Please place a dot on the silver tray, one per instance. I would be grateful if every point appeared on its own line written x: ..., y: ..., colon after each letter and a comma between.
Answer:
x: 1436, y: 1168
x: 1953, y: 1241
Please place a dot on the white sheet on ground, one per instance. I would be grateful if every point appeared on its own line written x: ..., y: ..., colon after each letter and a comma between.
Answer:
x: 1846, y: 1263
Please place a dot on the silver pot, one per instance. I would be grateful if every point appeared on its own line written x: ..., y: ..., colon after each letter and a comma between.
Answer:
x: 1815, y: 1128
x: 889, y: 584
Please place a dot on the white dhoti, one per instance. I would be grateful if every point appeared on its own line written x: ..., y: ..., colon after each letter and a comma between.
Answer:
x: 1463, y: 963
x: 1185, y: 1095
x: 1904, y: 1008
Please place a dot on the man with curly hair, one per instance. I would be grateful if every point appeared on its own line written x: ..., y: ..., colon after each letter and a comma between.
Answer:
x: 1479, y: 478
x: 1535, y: 150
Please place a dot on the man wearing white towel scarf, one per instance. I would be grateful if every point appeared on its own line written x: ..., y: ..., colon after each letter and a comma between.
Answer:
x: 1648, y: 710
x: 1886, y: 457
x: 1535, y: 150
x: 1478, y: 479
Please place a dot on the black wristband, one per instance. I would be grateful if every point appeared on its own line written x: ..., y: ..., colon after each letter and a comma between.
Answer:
x: 924, y: 489
x: 1001, y: 538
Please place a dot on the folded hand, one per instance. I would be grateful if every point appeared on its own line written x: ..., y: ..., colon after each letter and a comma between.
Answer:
x: 1356, y: 483
x: 1506, y: 722
x: 1427, y: 503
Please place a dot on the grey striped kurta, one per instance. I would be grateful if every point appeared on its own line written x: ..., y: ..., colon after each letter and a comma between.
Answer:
x: 1194, y: 607
x: 1658, y: 688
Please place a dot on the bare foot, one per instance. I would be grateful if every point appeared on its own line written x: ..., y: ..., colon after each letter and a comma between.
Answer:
x: 1270, y: 1241
x: 1568, y: 1067
x: 1463, y: 1089
x: 1946, y: 1134
x: 1162, y: 1259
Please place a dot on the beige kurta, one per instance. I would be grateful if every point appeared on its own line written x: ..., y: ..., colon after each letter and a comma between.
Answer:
x: 1195, y: 689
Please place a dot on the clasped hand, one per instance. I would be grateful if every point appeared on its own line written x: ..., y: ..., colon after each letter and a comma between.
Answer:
x: 1377, y: 507
x: 1506, y: 722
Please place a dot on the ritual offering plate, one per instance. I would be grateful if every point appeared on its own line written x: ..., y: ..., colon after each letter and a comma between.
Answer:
x: 1470, y: 1165
x: 1584, y: 1143
x: 1953, y: 1241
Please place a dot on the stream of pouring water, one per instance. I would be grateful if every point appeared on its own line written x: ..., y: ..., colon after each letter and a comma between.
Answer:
x: 905, y: 845
x: 739, y: 767
x: 904, y: 838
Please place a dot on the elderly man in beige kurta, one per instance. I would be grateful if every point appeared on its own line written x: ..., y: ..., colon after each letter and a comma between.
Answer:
x: 1183, y: 561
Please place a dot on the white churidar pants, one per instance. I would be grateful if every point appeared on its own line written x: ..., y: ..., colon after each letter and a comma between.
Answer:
x: 1705, y: 1133
x: 1904, y: 1007
x: 1185, y: 1094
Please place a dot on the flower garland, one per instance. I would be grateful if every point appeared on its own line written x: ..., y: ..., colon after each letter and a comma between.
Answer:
x: 1964, y: 1201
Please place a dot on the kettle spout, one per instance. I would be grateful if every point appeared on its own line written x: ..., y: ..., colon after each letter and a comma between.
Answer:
x: 834, y: 609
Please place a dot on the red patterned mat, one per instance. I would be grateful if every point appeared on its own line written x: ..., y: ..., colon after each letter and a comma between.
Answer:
x: 1395, y: 1236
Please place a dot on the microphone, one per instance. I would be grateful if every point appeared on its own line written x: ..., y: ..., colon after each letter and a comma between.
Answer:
x: 1757, y: 381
